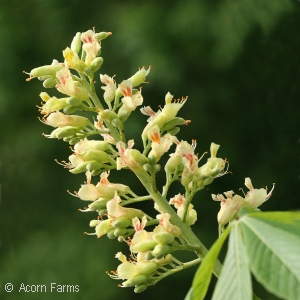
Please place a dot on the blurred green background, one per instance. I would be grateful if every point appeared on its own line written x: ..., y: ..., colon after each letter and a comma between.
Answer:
x: 237, y: 60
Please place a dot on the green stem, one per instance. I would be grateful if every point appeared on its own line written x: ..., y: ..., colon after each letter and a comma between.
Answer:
x: 186, y: 231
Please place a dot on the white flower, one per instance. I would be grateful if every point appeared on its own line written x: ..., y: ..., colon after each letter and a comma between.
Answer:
x: 90, y: 45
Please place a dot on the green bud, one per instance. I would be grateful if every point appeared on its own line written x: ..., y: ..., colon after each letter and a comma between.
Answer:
x: 147, y: 167
x: 45, y: 70
x: 67, y: 131
x: 152, y: 160
x: 98, y: 205
x: 144, y: 246
x: 76, y: 43
x: 49, y: 83
x: 117, y: 123
x: 157, y: 168
x: 111, y: 234
x: 74, y: 141
x: 136, y: 280
x: 107, y: 115
x: 163, y: 238
x: 88, y: 72
x: 67, y: 139
x: 140, y: 288
x: 94, y: 165
x: 70, y: 109
x: 96, y: 172
x: 174, y: 130
x: 102, y: 35
x: 149, y: 256
x: 172, y: 123
x: 160, y: 250
x: 139, y: 77
x: 74, y: 101
x: 80, y: 168
x: 43, y: 78
x: 120, y: 232
x: 96, y: 64
x: 96, y: 155
x: 121, y: 222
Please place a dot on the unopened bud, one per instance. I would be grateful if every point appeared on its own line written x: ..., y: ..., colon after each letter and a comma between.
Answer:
x: 163, y: 238
x: 121, y: 222
x: 96, y: 155
x: 136, y: 280
x: 160, y: 250
x: 45, y: 70
x: 174, y: 130
x: 96, y: 64
x: 98, y: 205
x: 74, y: 141
x: 63, y: 132
x: 74, y: 101
x: 94, y: 165
x: 139, y: 77
x: 102, y: 35
x: 49, y: 83
x: 111, y: 235
x: 120, y: 232
x: 76, y: 43
x: 144, y: 246
x: 70, y: 109
x: 140, y: 288
x: 172, y: 123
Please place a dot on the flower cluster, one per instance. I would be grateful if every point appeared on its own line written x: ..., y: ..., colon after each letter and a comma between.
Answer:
x: 233, y: 203
x: 152, y: 241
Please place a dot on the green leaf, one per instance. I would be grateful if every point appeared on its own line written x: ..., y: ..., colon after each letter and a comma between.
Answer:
x: 203, y: 275
x: 235, y: 279
x: 273, y: 245
x: 189, y: 294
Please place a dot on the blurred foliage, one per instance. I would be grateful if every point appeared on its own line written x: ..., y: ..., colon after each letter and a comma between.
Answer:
x: 237, y: 60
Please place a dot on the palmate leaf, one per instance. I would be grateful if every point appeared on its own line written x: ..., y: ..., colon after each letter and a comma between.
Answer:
x: 272, y: 241
x: 203, y: 275
x: 235, y: 280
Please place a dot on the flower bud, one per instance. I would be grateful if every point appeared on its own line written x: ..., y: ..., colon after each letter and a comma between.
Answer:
x: 96, y: 64
x: 103, y: 228
x: 80, y: 168
x: 121, y: 222
x: 74, y: 101
x: 140, y: 288
x: 120, y: 232
x: 102, y: 35
x: 149, y: 256
x: 107, y: 114
x: 97, y: 155
x: 163, y: 238
x: 70, y: 109
x: 76, y: 43
x: 60, y: 133
x: 94, y: 165
x: 52, y: 104
x: 144, y: 246
x: 174, y: 130
x: 136, y: 280
x: 74, y: 141
x: 97, y: 205
x: 58, y: 119
x: 45, y: 70
x: 160, y: 250
x: 172, y: 123
x: 111, y: 235
x: 49, y: 83
x: 139, y: 77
